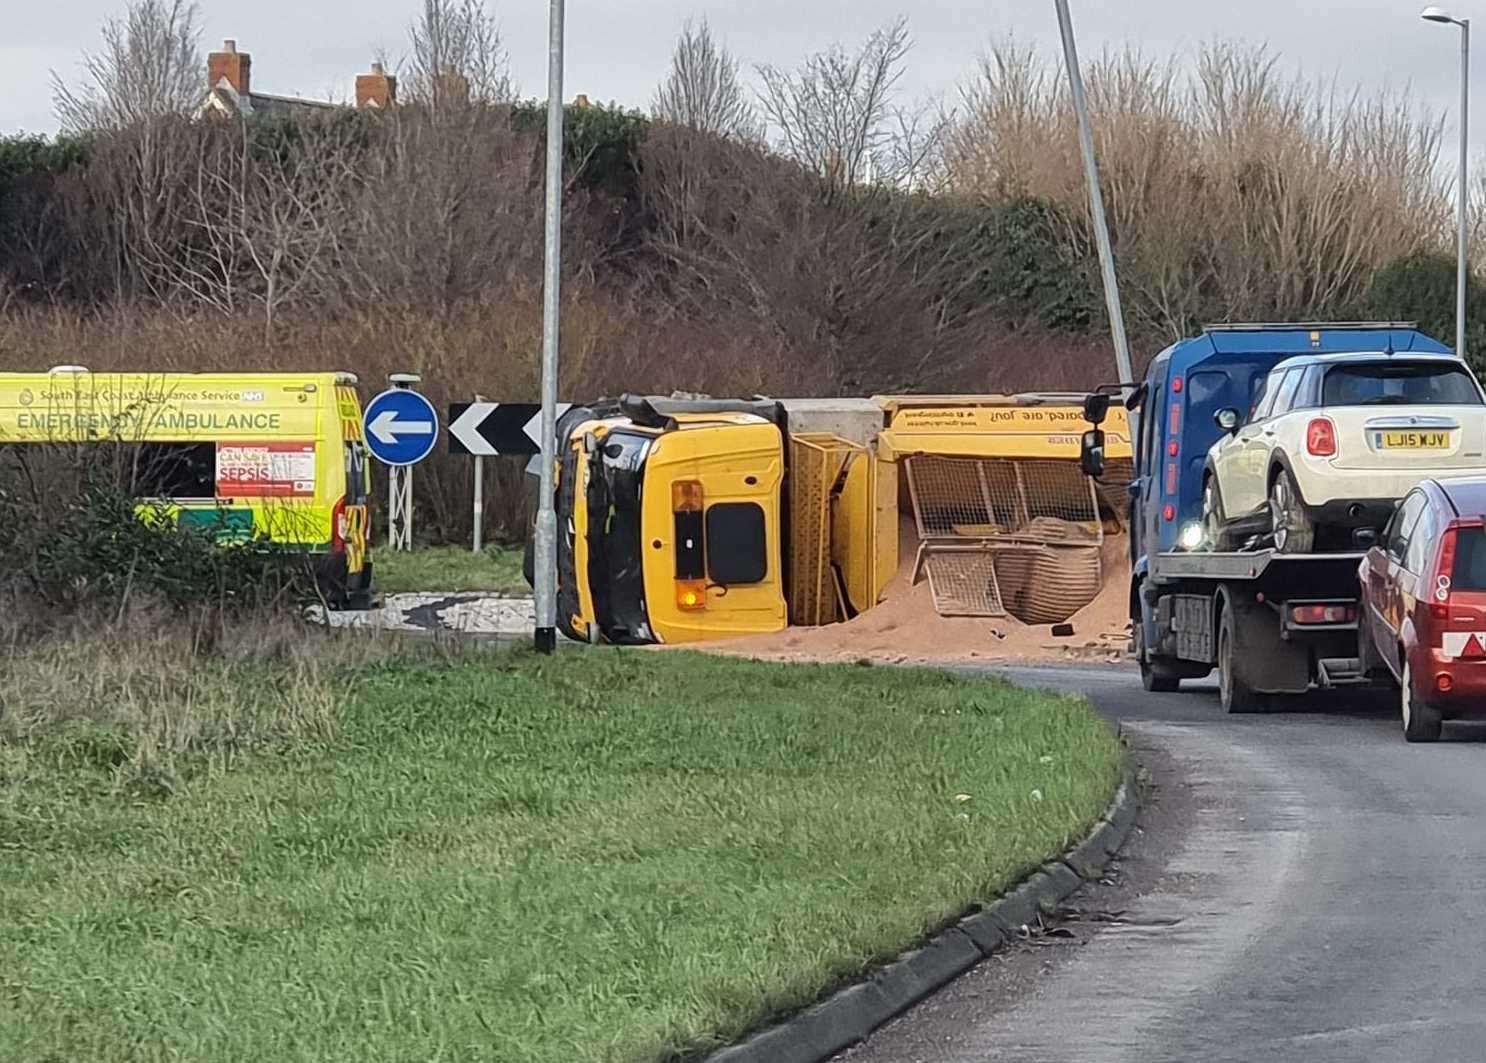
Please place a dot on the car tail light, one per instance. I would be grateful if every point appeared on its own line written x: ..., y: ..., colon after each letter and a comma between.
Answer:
x: 1323, y: 614
x: 1320, y: 438
x: 338, y: 526
x: 1439, y: 588
x: 1169, y: 513
x: 1444, y: 682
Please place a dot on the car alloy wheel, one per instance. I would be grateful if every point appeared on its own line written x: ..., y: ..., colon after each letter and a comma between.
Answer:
x: 1212, y: 520
x: 1291, y: 530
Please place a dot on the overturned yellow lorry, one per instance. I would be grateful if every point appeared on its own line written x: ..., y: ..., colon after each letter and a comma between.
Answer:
x: 693, y: 519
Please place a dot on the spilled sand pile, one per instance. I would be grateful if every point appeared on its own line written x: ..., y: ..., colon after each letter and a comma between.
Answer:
x: 905, y: 628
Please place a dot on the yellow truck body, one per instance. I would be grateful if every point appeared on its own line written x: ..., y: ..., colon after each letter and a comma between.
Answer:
x: 689, y: 521
x: 273, y: 458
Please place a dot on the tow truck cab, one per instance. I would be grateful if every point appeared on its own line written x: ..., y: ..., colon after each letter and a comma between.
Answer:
x: 1269, y: 623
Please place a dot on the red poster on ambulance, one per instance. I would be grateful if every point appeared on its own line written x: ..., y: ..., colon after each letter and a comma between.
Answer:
x: 265, y: 470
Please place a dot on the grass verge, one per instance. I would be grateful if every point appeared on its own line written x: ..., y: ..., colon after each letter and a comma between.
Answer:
x: 602, y: 856
x: 496, y: 569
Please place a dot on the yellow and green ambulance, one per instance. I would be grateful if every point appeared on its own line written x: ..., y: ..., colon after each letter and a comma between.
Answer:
x: 259, y: 457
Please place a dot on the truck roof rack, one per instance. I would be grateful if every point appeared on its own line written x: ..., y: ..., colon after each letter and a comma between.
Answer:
x: 1298, y: 326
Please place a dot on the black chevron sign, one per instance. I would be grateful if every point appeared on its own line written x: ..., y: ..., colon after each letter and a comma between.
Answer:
x: 490, y: 429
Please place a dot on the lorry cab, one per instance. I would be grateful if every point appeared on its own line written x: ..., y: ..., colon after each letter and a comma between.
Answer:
x: 672, y: 524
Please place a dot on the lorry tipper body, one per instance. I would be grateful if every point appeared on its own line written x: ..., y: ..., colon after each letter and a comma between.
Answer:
x: 1270, y: 623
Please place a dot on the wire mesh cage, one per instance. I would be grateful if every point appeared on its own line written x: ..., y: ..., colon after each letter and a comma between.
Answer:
x: 1004, y: 536
x: 987, y: 498
x: 962, y: 580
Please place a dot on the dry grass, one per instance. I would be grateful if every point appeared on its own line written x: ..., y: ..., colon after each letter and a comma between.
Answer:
x: 155, y: 696
x: 1233, y: 190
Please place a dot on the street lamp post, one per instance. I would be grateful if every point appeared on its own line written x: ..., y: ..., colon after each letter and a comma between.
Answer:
x: 1437, y: 14
x: 546, y: 529
x: 1096, y: 197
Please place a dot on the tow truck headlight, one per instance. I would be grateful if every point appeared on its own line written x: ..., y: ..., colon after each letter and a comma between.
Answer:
x: 1191, y: 536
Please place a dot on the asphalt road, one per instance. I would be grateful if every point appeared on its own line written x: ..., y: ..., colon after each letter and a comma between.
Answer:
x: 1302, y: 886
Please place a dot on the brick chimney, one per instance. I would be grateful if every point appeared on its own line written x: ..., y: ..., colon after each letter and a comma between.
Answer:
x: 236, y: 67
x: 377, y: 90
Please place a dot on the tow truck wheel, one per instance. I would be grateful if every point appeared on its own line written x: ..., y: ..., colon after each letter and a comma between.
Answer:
x: 1234, y: 693
x: 1421, y: 722
x: 1156, y: 674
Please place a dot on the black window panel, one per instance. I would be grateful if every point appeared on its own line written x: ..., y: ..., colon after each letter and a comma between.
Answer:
x: 172, y: 470
x: 689, y: 550
x: 1470, y: 560
x: 737, y: 543
x: 1400, y: 383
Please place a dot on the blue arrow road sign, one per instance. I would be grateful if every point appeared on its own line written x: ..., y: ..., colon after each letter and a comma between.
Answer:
x: 401, y: 427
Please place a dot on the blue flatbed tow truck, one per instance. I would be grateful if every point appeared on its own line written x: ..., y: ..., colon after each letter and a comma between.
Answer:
x: 1250, y: 615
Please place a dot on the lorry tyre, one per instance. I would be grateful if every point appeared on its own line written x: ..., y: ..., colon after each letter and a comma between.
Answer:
x: 1235, y: 694
x: 1157, y: 674
x: 1421, y: 722
x: 1291, y: 525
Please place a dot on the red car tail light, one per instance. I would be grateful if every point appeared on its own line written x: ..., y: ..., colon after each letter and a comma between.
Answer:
x: 1320, y: 438
x: 1323, y: 614
x: 1441, y: 583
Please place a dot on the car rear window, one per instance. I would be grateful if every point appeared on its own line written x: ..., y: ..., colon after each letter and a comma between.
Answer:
x: 1400, y: 384
x: 1470, y: 560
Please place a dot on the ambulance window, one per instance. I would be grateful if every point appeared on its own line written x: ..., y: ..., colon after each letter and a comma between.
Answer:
x: 737, y: 547
x: 172, y: 470
x: 356, y: 490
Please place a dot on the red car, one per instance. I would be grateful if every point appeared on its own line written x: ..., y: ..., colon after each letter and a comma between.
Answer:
x: 1423, y: 616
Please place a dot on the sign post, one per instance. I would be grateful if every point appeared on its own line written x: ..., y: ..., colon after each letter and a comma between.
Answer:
x: 479, y: 516
x: 401, y: 428
x: 545, y: 635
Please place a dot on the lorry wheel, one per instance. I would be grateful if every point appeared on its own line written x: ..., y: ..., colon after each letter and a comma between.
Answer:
x: 1421, y: 722
x: 1291, y: 526
x: 1234, y: 693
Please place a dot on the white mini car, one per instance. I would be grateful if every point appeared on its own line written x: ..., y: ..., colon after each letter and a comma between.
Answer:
x: 1332, y: 444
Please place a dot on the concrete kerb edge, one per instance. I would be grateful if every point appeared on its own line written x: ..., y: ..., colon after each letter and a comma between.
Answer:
x: 846, y: 1017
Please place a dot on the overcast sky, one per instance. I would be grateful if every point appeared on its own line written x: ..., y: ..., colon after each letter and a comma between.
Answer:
x: 617, y: 51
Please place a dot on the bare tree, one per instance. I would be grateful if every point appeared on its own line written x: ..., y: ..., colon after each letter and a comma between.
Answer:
x: 832, y: 115
x: 458, y: 56
x: 703, y: 90
x: 150, y: 66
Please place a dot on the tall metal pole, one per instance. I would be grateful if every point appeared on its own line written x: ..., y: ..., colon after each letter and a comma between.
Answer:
x: 1462, y: 267
x: 1096, y: 197
x: 545, y: 635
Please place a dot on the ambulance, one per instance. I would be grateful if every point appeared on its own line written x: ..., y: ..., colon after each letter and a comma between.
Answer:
x: 268, y: 458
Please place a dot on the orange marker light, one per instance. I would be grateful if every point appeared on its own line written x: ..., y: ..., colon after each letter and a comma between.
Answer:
x: 686, y: 496
x: 691, y: 595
